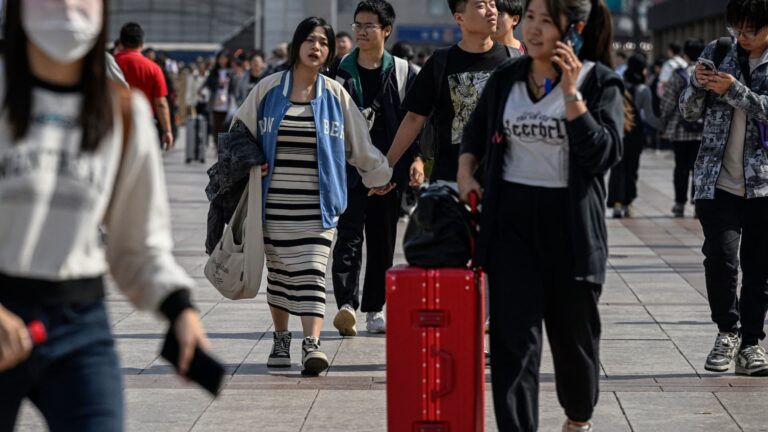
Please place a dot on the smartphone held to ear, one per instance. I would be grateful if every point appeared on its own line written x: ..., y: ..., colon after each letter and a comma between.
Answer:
x: 203, y: 369
x: 574, y: 38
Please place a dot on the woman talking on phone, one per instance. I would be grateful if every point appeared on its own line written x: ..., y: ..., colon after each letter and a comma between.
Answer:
x: 76, y: 153
x: 548, y: 127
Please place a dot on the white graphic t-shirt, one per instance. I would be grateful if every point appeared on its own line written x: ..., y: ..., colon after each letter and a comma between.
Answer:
x: 537, y: 143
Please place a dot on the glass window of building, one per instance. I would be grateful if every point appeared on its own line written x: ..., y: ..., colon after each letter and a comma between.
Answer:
x: 438, y: 8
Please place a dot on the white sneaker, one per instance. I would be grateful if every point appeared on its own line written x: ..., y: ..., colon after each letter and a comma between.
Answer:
x: 375, y: 323
x: 752, y: 361
x: 570, y: 427
x: 345, y: 321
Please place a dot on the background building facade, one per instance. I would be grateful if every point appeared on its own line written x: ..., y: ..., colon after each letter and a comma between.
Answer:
x: 206, y: 24
x: 678, y: 20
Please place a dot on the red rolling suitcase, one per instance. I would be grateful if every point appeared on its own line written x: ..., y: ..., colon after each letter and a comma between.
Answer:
x: 435, y: 360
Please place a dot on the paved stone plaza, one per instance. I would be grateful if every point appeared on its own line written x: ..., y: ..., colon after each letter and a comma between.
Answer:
x: 656, y: 334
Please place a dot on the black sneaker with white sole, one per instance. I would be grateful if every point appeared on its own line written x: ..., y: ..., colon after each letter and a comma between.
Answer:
x: 313, y: 360
x: 281, y: 350
x: 723, y: 353
x: 752, y: 361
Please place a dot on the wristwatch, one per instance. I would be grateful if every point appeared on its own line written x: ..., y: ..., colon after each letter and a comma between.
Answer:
x: 577, y: 97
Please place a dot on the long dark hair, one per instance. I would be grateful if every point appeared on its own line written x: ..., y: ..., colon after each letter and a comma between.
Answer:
x: 598, y: 33
x: 217, y: 66
x: 96, y: 119
x: 303, y: 30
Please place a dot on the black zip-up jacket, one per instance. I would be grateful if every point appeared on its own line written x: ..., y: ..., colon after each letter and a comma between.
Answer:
x: 595, y: 141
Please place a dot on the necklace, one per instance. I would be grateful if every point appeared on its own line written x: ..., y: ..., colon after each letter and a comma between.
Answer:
x: 536, y: 87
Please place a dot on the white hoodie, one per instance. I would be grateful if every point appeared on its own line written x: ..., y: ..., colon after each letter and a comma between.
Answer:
x: 53, y: 199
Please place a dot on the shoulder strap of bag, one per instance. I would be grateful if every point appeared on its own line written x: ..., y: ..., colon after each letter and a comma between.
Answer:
x: 126, y: 113
x: 401, y: 73
x: 722, y: 47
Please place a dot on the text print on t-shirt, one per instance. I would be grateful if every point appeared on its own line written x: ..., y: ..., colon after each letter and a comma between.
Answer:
x: 536, y: 127
x: 466, y: 89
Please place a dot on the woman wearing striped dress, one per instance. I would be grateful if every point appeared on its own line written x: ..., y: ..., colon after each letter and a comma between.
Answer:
x: 309, y: 128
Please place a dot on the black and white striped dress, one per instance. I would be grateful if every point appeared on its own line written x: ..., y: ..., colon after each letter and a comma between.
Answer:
x: 297, y: 245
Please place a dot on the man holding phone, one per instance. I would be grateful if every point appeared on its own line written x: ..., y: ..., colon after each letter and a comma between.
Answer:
x: 731, y: 181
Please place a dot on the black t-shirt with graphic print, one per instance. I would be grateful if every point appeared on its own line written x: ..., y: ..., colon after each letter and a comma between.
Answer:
x: 464, y: 79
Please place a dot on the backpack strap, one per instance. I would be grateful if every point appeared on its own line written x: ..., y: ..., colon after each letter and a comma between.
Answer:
x: 401, y: 73
x: 722, y: 47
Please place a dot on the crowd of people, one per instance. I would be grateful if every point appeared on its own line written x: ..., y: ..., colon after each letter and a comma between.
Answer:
x: 531, y: 126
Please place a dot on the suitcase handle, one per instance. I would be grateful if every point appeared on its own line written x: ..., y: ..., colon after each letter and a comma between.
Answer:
x: 446, y: 374
x: 474, y: 200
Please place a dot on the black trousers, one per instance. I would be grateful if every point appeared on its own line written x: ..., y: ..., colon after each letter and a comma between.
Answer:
x: 727, y: 221
x: 376, y: 216
x: 622, y: 183
x: 218, y: 125
x: 531, y: 281
x: 685, y: 156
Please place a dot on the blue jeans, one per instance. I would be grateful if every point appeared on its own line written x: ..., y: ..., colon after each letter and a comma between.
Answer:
x: 73, y: 378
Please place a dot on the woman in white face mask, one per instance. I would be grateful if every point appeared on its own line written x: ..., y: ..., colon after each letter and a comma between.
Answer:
x: 68, y: 166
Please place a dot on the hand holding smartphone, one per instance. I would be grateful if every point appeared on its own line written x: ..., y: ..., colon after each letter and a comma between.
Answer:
x: 204, y: 369
x: 574, y: 38
x: 708, y: 64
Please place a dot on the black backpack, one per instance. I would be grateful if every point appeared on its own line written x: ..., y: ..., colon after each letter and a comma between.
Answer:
x: 441, y: 231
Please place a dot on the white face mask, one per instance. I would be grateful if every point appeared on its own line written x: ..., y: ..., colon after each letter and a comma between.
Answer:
x: 65, y: 30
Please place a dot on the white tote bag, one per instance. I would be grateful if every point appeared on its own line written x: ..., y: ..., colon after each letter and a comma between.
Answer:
x: 235, y: 266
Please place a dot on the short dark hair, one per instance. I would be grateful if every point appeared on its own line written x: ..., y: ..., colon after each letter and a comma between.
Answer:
x: 455, y: 4
x: 693, y: 48
x: 510, y: 7
x: 343, y: 34
x: 636, y: 65
x: 675, y: 48
x: 132, y: 35
x: 256, y: 53
x: 750, y: 12
x: 404, y: 50
x: 303, y: 30
x: 380, y: 8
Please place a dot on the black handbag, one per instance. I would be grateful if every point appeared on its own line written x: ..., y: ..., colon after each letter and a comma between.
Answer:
x: 441, y: 230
